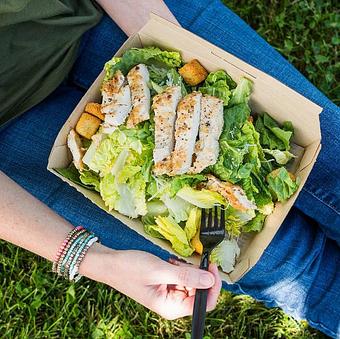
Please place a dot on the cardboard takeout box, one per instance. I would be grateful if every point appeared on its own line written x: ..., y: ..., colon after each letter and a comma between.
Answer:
x: 269, y: 95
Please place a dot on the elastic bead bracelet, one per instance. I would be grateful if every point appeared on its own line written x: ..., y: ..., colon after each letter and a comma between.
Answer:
x: 73, y: 252
x: 63, y: 246
x: 76, y: 241
x: 66, y: 250
x: 74, y: 275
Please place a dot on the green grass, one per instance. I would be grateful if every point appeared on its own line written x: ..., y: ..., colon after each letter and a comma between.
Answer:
x: 305, y: 32
x: 36, y: 304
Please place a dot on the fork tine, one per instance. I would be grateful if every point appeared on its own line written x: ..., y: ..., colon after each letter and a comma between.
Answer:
x: 203, y: 220
x: 215, y: 217
x: 222, y: 218
x: 210, y: 218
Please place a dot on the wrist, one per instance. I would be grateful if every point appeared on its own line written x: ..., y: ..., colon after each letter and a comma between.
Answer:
x: 97, y: 263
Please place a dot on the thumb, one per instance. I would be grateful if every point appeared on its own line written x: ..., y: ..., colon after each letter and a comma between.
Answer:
x: 184, y: 276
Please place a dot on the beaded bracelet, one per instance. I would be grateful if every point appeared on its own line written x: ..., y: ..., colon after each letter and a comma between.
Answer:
x: 76, y: 253
x: 74, y: 275
x: 72, y: 252
x: 69, y: 247
x: 63, y: 247
x: 65, y: 262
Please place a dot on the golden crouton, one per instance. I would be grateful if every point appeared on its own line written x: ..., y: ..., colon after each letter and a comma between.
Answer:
x: 95, y: 109
x: 193, y: 73
x: 87, y: 125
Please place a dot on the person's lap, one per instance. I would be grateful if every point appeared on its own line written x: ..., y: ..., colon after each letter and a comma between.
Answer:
x: 298, y: 270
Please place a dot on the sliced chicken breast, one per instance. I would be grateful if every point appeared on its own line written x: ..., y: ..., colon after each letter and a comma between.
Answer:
x: 233, y: 193
x: 116, y: 104
x: 186, y: 130
x: 211, y: 125
x: 75, y: 146
x: 164, y: 106
x: 112, y: 87
x: 138, y: 78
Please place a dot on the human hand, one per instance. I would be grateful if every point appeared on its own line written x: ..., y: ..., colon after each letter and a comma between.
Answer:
x: 167, y: 288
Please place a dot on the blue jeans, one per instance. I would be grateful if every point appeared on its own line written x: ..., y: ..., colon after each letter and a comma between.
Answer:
x: 299, y: 271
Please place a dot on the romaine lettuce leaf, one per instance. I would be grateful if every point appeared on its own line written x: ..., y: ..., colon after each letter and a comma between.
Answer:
x: 178, y: 208
x: 225, y: 254
x: 193, y: 223
x: 281, y: 157
x: 201, y: 198
x: 179, y: 181
x: 256, y: 224
x: 175, y: 79
x: 73, y: 174
x: 123, y: 161
x: 147, y: 55
x: 109, y: 68
x: 242, y: 92
x: 271, y: 135
x: 171, y: 231
x: 281, y: 184
x: 90, y: 178
x: 234, y: 119
x: 218, y: 84
x: 150, y: 229
x: 235, y: 219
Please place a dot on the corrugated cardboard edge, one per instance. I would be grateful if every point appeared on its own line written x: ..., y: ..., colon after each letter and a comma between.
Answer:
x: 59, y: 149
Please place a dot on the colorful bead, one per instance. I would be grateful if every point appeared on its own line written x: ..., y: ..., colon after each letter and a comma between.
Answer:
x: 72, y: 252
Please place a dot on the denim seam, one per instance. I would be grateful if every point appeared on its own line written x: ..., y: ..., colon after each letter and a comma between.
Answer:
x: 333, y: 208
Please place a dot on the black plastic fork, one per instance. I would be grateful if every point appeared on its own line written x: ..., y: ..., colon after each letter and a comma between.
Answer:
x: 212, y: 232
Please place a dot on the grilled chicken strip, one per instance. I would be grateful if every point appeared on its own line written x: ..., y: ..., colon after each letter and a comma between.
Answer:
x: 74, y: 144
x: 232, y: 193
x: 164, y: 106
x: 211, y: 125
x: 116, y: 103
x: 138, y: 78
x: 186, y: 130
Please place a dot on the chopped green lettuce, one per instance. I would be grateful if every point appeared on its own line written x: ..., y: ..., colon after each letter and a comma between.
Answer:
x: 171, y: 231
x: 73, y: 174
x: 271, y: 135
x: 242, y: 92
x: 178, y: 208
x: 218, y: 84
x: 225, y: 254
x: 201, y: 198
x: 193, y: 223
x: 123, y: 161
x: 147, y: 55
x: 281, y: 157
x: 281, y: 184
x: 235, y: 219
x: 90, y: 178
x: 179, y: 181
x: 256, y: 224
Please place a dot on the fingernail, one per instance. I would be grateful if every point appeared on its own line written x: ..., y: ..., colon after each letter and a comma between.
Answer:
x: 206, y: 279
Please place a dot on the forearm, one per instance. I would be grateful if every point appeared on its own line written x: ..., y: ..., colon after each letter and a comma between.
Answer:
x: 28, y: 223
x: 131, y: 15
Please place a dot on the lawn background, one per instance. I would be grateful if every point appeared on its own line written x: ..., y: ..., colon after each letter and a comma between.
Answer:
x: 36, y: 304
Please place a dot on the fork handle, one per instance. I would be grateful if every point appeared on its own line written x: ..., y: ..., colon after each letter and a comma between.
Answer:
x: 200, y: 305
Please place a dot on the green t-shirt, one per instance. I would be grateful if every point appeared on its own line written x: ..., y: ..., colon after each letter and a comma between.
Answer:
x: 38, y: 46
